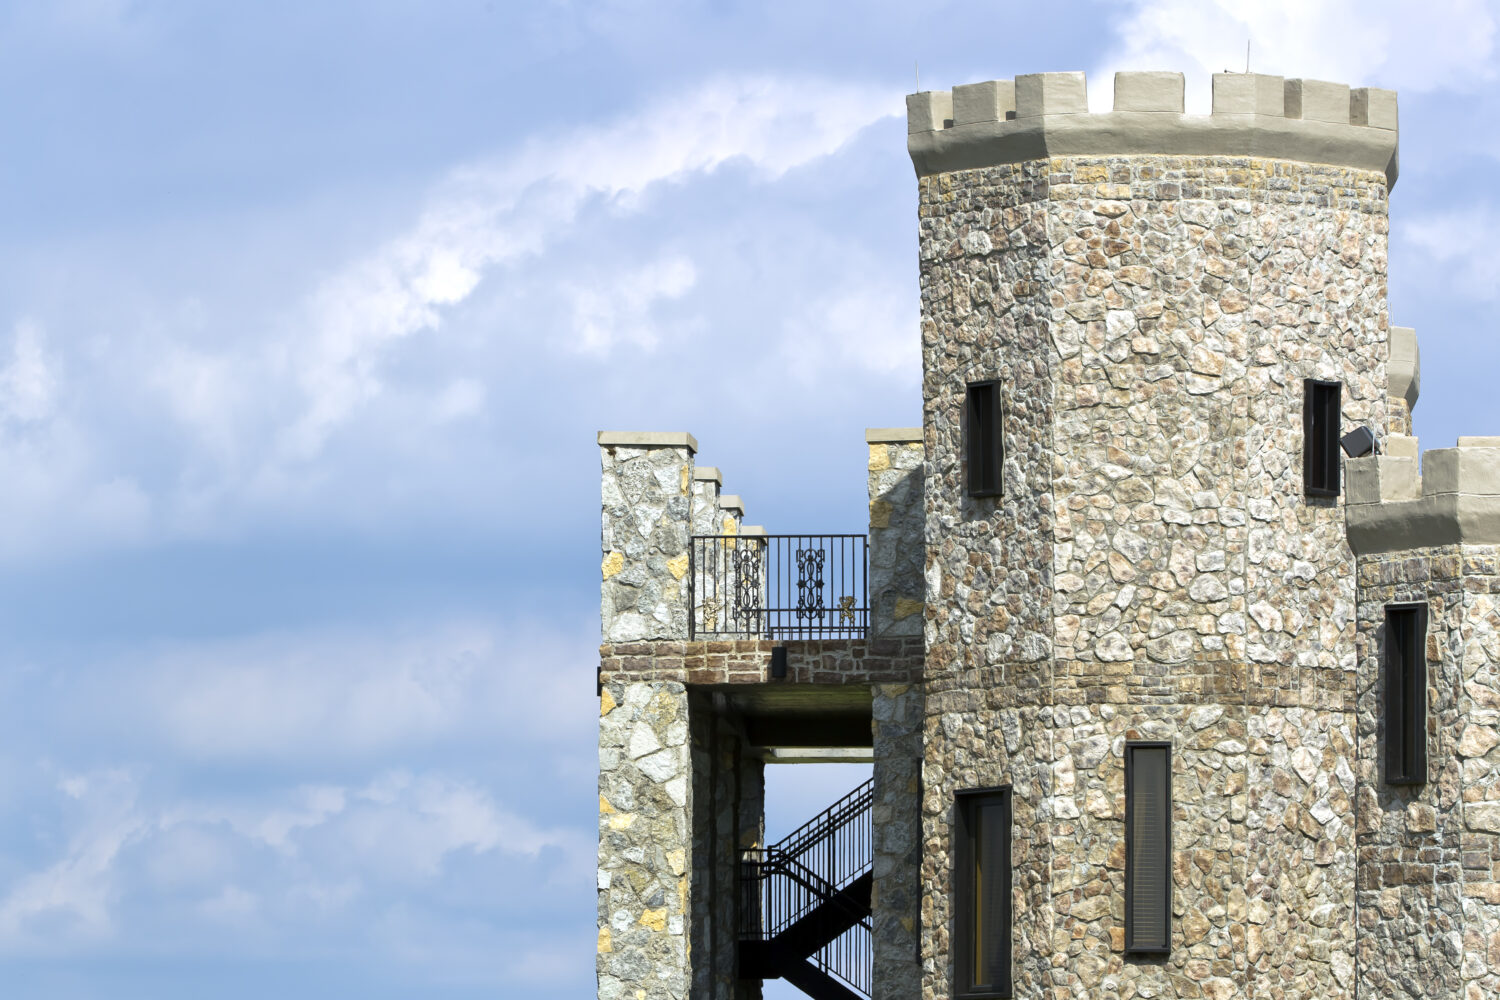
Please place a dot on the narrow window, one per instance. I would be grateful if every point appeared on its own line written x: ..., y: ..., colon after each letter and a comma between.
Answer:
x: 1148, y: 847
x: 1320, y: 437
x: 1406, y: 694
x: 984, y: 450
x: 981, y: 876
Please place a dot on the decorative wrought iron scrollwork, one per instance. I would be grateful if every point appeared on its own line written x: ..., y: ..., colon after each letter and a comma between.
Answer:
x: 846, y: 609
x: 711, y: 609
x: 745, y: 614
x: 810, y: 584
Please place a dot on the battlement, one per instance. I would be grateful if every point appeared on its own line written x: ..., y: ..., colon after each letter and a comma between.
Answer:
x: 1046, y: 114
x: 1453, y: 500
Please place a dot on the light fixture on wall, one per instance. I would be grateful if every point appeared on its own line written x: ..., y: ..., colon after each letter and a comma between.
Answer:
x: 1359, y: 442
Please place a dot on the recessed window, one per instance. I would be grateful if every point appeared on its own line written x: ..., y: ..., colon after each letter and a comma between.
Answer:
x: 1148, y: 847
x: 1320, y: 437
x: 1405, y: 694
x: 981, y: 877
x: 984, y: 449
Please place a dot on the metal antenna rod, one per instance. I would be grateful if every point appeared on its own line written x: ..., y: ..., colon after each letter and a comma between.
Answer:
x: 916, y: 66
x: 1247, y: 55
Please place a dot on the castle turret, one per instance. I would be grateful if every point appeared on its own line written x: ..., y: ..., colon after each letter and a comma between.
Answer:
x: 1122, y: 313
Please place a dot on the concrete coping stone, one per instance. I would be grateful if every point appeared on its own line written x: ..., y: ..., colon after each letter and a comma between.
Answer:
x: 753, y: 530
x: 648, y: 439
x: 1455, y: 502
x: 893, y: 435
x: 1403, y: 371
x: 731, y: 501
x: 1046, y: 114
x: 707, y: 474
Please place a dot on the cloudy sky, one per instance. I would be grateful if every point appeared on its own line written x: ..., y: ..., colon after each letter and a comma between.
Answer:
x: 308, y: 316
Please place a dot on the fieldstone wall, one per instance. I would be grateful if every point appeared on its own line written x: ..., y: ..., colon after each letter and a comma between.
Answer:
x: 1153, y: 566
x: 646, y: 489
x: 728, y: 818
x: 1479, y: 749
x: 645, y: 842
x: 896, y: 531
x: 896, y: 712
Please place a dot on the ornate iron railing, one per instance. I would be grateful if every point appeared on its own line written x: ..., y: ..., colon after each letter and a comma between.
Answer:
x: 779, y: 586
x: 815, y: 876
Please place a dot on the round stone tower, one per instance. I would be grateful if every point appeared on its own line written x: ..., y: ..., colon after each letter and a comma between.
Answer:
x: 1151, y: 292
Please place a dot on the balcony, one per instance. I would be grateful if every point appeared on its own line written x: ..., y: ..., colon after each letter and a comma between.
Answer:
x: 779, y: 586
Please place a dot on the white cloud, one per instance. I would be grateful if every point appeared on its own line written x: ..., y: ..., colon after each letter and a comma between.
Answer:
x: 1449, y: 45
x: 1455, y: 251
x: 28, y: 384
x: 621, y: 312
x: 351, y: 693
x: 501, y: 211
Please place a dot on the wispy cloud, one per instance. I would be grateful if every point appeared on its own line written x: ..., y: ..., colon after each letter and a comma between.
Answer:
x: 1450, y: 46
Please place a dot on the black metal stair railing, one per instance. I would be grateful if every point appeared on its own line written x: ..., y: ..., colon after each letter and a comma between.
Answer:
x: 779, y: 586
x: 806, y: 899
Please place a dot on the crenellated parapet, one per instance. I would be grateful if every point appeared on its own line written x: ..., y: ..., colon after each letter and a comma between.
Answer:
x: 1453, y: 499
x: 1046, y: 114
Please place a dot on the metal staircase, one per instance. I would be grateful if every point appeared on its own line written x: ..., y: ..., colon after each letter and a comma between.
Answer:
x: 805, y: 904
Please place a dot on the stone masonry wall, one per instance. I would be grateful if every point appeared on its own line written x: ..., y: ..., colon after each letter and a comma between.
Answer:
x: 896, y: 713
x: 728, y: 785
x: 645, y: 842
x: 1479, y: 749
x: 1151, y: 320
x: 896, y: 530
x: 646, y: 489
x: 1410, y: 836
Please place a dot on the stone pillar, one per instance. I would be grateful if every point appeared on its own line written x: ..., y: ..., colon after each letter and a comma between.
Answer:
x: 896, y: 531
x: 896, y: 897
x: 707, y: 485
x: 1404, y: 378
x: 728, y: 817
x: 646, y: 492
x: 645, y: 842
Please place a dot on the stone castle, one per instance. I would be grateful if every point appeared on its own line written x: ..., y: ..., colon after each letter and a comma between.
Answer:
x: 1178, y: 667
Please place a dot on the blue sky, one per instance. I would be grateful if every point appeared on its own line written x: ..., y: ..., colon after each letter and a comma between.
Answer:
x: 308, y: 315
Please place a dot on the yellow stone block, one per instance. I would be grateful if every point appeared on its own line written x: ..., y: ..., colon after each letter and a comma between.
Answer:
x: 605, y: 944
x: 906, y: 607
x: 880, y: 514
x: 605, y: 809
x: 613, y: 563
x: 880, y: 459
x: 622, y: 821
x: 687, y: 478
x: 677, y: 861
x: 731, y: 526
x: 678, y: 566
x: 606, y: 702
x: 655, y: 920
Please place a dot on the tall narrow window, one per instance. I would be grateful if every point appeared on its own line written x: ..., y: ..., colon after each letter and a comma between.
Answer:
x: 984, y: 449
x: 981, y: 883
x: 1148, y: 847
x: 1320, y: 437
x: 1405, y: 694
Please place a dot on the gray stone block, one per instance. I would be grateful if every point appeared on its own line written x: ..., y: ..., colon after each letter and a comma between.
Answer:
x: 929, y: 111
x: 1373, y: 107
x: 1249, y: 94
x: 1318, y: 101
x: 1149, y: 92
x: 1051, y: 94
x: 992, y: 100
x: 1404, y: 370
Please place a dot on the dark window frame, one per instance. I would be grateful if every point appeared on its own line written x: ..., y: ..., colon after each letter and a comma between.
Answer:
x: 1405, y: 655
x: 965, y: 805
x: 1132, y: 945
x: 1322, y: 418
x: 984, y: 440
